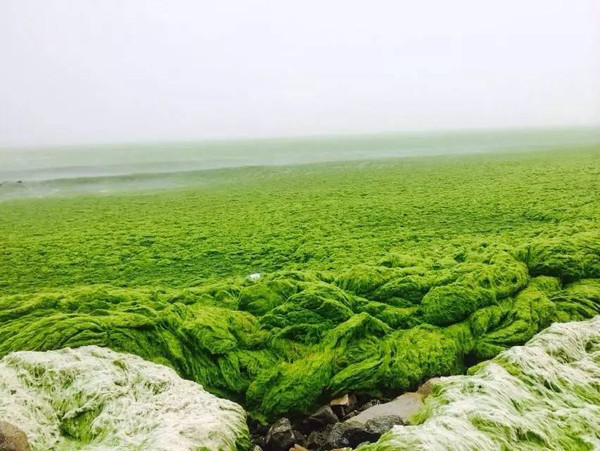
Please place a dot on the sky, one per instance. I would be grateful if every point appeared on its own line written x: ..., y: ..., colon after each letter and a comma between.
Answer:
x: 90, y: 71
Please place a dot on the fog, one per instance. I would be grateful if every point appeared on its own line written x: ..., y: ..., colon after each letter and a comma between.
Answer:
x: 91, y: 72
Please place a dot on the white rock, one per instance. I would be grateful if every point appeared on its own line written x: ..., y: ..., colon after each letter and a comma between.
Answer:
x: 405, y: 406
x: 544, y: 395
x: 93, y: 398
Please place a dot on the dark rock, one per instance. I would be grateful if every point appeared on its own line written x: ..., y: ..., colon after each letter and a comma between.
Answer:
x: 350, y: 434
x: 343, y: 405
x: 318, y: 439
x: 256, y: 427
x: 258, y: 441
x: 258, y: 432
x: 300, y: 438
x: 282, y: 436
x: 12, y: 438
x: 381, y: 425
x: 321, y: 418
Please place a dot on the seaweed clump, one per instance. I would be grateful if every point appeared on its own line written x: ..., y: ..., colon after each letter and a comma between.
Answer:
x: 287, y: 341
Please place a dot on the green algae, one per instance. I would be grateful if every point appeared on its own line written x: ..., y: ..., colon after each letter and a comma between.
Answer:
x: 402, y: 213
x: 373, y: 277
x: 287, y: 341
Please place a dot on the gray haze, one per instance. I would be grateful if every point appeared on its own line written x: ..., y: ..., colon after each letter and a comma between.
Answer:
x: 94, y: 71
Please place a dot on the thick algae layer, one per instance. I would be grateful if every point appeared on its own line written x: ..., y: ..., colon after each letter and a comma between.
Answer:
x: 290, y: 340
x: 544, y: 395
x: 327, y: 217
x: 375, y: 275
x: 92, y: 398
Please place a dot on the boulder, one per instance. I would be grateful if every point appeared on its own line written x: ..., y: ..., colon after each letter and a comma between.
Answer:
x: 369, y: 404
x: 477, y: 411
x: 343, y: 405
x: 318, y: 439
x: 96, y: 398
x: 381, y: 425
x: 351, y: 415
x: 282, y: 436
x: 12, y: 438
x: 321, y: 418
x: 258, y: 432
x: 404, y: 407
x: 350, y: 434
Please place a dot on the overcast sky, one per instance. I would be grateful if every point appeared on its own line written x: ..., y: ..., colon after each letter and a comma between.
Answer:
x: 91, y: 71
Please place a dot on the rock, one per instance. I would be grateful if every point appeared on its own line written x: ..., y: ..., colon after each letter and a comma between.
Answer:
x: 368, y: 405
x: 561, y: 414
x: 350, y: 434
x: 258, y: 441
x: 347, y: 400
x: 405, y: 406
x: 258, y: 432
x: 381, y: 425
x: 427, y: 387
x: 282, y: 437
x: 321, y: 418
x: 12, y: 438
x: 134, y: 404
x: 350, y: 415
x: 343, y: 405
x: 318, y: 439
x: 300, y: 438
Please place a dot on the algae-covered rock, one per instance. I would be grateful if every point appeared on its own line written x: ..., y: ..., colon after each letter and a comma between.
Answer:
x: 544, y: 395
x: 95, y: 398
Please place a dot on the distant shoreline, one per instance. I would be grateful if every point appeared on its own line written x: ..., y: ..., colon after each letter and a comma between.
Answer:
x: 128, y: 159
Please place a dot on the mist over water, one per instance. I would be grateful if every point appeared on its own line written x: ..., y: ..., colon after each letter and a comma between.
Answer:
x: 26, y: 173
x: 37, y: 164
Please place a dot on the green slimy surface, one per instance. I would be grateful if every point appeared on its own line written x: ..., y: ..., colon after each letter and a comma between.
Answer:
x: 375, y: 275
x: 288, y: 341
